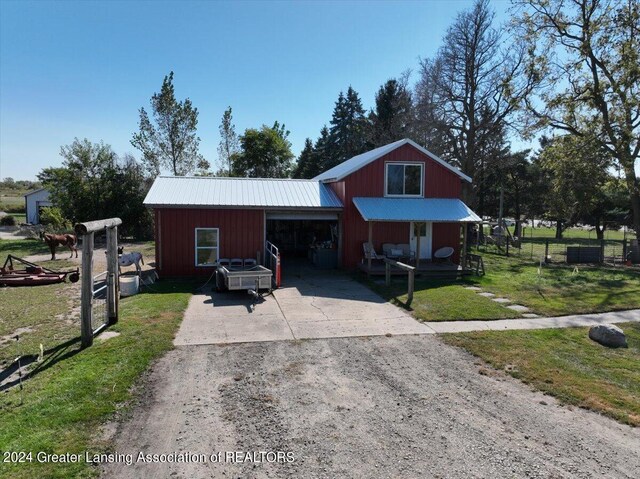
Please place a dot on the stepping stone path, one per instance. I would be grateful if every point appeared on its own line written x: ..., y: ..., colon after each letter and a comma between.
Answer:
x: 487, y: 295
x: 504, y: 301
x: 519, y: 308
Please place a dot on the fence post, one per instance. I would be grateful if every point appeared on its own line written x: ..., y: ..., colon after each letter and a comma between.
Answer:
x: 387, y: 274
x: 86, y: 330
x: 546, y: 250
x: 411, y: 284
x: 602, y: 250
x: 113, y: 279
x: 624, y: 250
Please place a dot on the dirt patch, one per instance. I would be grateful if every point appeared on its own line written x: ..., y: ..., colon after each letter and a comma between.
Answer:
x: 401, y: 407
x: 11, y: 337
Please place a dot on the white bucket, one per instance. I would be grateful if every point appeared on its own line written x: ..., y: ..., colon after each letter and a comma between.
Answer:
x: 129, y: 285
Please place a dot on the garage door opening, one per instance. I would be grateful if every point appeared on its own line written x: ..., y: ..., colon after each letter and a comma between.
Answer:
x: 305, y: 242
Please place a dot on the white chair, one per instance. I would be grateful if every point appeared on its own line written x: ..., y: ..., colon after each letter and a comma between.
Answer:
x: 223, y: 262
x: 236, y: 263
x: 250, y: 262
x: 369, y: 252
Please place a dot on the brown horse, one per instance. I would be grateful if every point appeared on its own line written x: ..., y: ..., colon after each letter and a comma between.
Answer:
x: 68, y: 240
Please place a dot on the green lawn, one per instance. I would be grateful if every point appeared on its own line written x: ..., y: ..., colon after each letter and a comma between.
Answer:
x: 22, y: 248
x: 575, y: 233
x: 566, y: 364
x: 12, y: 201
x: 550, y: 290
x: 74, y: 391
x: 559, y: 289
x: 437, y: 300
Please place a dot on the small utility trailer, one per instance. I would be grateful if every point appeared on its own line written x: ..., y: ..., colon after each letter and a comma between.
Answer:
x: 250, y: 279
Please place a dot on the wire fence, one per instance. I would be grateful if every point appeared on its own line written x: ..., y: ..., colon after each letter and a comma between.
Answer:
x: 572, y: 249
x: 99, y: 311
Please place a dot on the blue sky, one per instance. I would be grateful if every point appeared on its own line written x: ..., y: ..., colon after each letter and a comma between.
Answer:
x: 83, y: 69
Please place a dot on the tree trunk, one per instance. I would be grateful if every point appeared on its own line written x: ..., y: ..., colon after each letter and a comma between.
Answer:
x: 634, y: 193
x: 599, y: 229
x: 558, y: 229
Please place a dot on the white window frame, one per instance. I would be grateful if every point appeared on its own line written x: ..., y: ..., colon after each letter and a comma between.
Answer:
x: 408, y: 163
x: 217, y: 248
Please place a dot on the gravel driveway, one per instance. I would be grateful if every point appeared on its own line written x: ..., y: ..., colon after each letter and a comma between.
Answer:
x: 398, y: 407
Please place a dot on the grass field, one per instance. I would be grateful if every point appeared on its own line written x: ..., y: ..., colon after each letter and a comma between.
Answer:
x: 559, y: 289
x: 12, y: 201
x: 74, y: 391
x: 555, y: 289
x: 71, y: 391
x: 566, y: 364
x: 436, y: 300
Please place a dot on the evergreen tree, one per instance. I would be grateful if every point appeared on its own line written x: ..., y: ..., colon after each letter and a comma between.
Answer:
x: 305, y: 167
x: 392, y: 118
x: 347, y: 136
x: 322, y: 151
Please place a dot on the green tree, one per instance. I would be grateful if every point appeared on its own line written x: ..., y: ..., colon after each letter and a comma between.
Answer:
x: 170, y: 140
x: 228, y: 145
x: 264, y: 153
x: 306, y: 166
x: 578, y: 169
x: 347, y: 134
x: 93, y: 183
x: 471, y: 86
x: 392, y: 118
x: 587, y: 52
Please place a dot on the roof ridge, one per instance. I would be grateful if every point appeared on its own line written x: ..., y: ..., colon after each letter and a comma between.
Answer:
x: 192, y: 177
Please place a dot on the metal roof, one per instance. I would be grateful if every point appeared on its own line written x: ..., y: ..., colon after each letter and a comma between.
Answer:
x: 353, y: 164
x: 415, y: 209
x: 207, y: 191
x: 34, y: 192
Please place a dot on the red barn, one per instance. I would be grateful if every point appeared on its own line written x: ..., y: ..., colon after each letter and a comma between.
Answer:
x: 399, y: 198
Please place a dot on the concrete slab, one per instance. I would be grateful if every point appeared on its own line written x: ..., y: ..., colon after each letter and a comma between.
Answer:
x: 487, y: 295
x: 459, y: 326
x: 501, y: 300
x: 519, y: 308
x: 306, y: 307
x: 473, y: 288
x: 218, y: 319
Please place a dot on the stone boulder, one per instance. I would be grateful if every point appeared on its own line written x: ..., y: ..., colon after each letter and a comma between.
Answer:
x: 608, y: 335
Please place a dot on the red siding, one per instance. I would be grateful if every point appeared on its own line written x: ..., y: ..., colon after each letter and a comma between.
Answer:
x: 447, y: 234
x: 241, y: 236
x: 369, y: 181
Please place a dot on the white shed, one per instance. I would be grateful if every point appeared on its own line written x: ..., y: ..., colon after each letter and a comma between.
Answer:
x: 33, y: 202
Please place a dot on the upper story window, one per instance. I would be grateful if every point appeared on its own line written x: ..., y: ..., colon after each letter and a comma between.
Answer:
x: 404, y: 179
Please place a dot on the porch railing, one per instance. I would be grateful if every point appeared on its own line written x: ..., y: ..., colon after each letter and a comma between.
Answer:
x: 272, y: 261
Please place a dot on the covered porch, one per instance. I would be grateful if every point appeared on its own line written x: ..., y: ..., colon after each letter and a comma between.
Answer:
x: 422, y: 214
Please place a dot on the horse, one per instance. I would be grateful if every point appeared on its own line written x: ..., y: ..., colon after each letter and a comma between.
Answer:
x: 68, y: 240
x: 129, y: 259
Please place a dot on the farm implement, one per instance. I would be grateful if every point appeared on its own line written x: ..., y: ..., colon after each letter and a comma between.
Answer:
x: 32, y: 274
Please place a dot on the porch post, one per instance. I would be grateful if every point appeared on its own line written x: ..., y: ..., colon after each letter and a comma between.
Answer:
x: 417, y: 226
x: 371, y: 250
x: 463, y: 255
x: 340, y: 239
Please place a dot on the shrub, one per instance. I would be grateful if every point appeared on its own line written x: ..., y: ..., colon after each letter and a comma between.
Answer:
x: 52, y: 218
x: 7, y: 221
